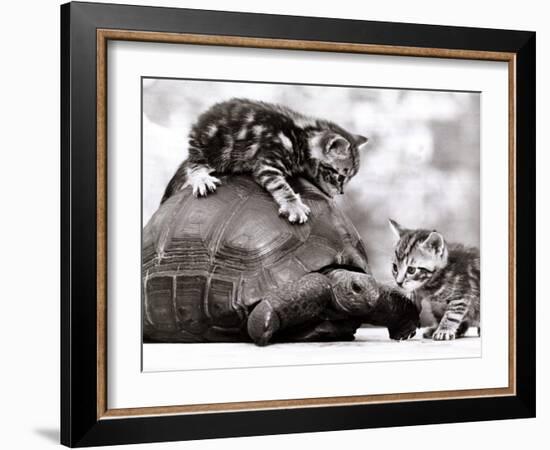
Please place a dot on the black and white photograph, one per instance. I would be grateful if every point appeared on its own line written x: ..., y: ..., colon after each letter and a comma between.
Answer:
x: 292, y: 224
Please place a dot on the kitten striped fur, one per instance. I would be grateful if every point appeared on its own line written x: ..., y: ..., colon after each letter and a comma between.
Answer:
x: 272, y: 143
x: 446, y: 275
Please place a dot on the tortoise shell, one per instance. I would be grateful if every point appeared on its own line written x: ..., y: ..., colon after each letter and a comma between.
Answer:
x: 207, y: 261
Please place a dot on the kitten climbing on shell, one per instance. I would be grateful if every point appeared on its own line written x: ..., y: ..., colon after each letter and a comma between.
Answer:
x: 272, y: 143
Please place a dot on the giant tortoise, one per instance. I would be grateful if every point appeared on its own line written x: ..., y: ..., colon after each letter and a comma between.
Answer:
x: 227, y: 267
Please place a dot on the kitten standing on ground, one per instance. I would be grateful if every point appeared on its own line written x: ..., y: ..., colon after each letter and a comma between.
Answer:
x: 445, y: 275
x: 273, y: 143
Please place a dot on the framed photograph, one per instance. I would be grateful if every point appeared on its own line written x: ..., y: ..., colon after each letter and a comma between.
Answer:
x: 277, y: 224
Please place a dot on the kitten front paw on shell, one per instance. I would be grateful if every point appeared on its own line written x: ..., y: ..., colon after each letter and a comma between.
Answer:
x: 295, y: 211
x: 203, y: 184
x: 444, y: 335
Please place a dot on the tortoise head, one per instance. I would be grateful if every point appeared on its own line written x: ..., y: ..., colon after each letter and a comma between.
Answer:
x: 354, y: 292
x: 396, y: 312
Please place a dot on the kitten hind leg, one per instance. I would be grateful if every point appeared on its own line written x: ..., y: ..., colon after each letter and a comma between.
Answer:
x: 198, y: 176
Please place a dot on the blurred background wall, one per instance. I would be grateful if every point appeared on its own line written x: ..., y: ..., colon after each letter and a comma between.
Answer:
x: 421, y: 166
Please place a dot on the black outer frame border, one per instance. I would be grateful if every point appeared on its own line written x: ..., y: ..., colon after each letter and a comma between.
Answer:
x: 79, y: 425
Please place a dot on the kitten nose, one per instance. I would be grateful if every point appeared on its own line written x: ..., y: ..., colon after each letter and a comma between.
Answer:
x: 400, y: 283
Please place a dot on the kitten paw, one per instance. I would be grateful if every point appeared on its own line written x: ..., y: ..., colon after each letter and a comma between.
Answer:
x: 203, y: 183
x: 296, y: 211
x: 444, y: 335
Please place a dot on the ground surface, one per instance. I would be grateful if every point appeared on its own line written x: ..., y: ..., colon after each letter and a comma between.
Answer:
x: 370, y: 345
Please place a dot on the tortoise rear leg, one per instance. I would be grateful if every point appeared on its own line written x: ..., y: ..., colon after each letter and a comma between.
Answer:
x: 303, y: 301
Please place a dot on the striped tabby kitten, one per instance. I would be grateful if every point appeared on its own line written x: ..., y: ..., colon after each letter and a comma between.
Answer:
x: 272, y: 143
x: 446, y: 275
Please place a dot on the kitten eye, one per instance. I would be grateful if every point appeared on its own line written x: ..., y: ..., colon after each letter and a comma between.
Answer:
x: 411, y: 270
x: 394, y: 267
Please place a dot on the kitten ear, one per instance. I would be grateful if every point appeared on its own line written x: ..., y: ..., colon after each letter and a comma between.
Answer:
x: 396, y: 228
x: 360, y: 141
x: 338, y: 147
x: 435, y: 243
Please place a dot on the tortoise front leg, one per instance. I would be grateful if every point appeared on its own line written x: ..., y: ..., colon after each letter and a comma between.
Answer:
x: 297, y: 303
x: 325, y: 331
